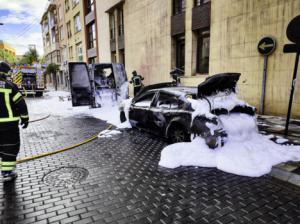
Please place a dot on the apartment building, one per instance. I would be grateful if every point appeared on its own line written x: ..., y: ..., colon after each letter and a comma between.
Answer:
x: 51, y: 39
x: 63, y: 28
x: 111, y: 27
x: 7, y: 48
x: 90, y: 31
x: 202, y: 37
x: 74, y: 20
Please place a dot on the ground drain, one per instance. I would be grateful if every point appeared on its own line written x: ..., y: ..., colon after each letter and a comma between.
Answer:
x: 65, y: 176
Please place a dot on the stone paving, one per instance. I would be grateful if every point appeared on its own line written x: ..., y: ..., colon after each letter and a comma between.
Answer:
x: 118, y: 180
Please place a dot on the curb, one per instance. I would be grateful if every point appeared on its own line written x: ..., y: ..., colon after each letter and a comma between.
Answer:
x: 285, y: 175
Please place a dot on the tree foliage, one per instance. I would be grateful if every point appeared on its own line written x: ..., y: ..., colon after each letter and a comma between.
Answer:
x: 7, y: 57
x: 29, y: 57
x: 52, y: 68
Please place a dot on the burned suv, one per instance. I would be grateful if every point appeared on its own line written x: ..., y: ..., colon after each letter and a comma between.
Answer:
x: 178, y: 113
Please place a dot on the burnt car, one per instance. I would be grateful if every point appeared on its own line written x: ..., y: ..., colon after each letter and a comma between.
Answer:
x: 178, y: 113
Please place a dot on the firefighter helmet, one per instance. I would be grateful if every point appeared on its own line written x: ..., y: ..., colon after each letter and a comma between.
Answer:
x: 4, y: 67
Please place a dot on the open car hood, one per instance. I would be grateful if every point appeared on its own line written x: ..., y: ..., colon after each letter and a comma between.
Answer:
x: 218, y: 83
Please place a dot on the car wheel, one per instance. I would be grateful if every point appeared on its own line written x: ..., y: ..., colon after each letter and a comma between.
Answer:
x: 177, y: 133
x: 122, y: 116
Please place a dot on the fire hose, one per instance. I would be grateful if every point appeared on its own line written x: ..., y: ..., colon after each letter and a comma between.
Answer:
x: 26, y: 159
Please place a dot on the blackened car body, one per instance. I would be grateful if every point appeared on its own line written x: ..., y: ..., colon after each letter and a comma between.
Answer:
x: 169, y: 111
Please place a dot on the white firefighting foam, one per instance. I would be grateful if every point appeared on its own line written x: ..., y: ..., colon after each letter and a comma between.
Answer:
x: 245, y: 153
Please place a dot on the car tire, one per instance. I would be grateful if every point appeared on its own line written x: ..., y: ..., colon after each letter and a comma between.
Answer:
x: 177, y: 133
x: 122, y: 116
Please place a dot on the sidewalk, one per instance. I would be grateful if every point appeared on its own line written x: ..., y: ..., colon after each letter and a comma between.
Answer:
x: 275, y: 125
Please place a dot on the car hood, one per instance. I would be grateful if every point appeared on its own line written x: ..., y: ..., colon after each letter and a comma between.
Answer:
x: 224, y: 82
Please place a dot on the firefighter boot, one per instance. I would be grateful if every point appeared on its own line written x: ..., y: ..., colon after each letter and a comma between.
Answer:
x: 9, y: 175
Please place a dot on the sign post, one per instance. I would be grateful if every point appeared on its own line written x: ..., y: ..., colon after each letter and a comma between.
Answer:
x: 265, y: 47
x: 293, y: 34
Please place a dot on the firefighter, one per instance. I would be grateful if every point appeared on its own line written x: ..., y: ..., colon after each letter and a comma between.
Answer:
x: 12, y: 109
x: 136, y: 80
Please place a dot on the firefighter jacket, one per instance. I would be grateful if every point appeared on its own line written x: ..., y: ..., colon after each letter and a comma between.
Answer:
x: 12, y: 105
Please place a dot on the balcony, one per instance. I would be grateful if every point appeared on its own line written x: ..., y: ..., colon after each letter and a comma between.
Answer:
x: 53, y: 22
x: 92, y: 52
x: 201, y: 16
x: 89, y: 18
x: 178, y: 24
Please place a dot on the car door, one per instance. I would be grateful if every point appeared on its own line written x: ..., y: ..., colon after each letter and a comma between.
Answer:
x: 139, y: 113
x: 80, y: 84
x: 166, y: 108
x: 120, y: 81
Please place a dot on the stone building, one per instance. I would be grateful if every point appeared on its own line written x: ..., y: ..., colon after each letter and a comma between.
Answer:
x: 51, y: 39
x: 203, y: 38
x: 7, y: 48
x: 63, y: 29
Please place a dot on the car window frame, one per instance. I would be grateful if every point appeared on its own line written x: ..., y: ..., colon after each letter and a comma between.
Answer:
x: 145, y: 94
x: 171, y: 95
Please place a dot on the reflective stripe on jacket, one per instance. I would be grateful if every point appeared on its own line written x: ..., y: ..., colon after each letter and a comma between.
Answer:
x: 12, y: 104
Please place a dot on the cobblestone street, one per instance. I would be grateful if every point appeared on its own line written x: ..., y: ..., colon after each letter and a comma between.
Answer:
x: 118, y: 180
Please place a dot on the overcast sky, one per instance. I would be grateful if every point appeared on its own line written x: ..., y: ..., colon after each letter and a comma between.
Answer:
x: 21, y: 20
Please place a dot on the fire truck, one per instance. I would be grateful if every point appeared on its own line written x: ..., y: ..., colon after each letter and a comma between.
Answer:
x: 29, y: 79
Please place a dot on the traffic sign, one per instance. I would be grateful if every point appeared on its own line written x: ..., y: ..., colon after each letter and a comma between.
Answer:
x: 293, y: 30
x: 266, y: 46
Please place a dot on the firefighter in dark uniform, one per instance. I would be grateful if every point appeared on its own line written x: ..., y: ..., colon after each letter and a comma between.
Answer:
x: 136, y: 80
x: 12, y: 109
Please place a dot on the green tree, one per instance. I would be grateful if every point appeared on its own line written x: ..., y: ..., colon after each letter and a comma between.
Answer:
x: 29, y: 57
x: 7, y: 57
x: 52, y: 69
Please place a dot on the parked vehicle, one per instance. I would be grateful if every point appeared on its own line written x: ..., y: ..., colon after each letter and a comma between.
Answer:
x: 29, y: 79
x: 169, y: 111
x: 92, y: 84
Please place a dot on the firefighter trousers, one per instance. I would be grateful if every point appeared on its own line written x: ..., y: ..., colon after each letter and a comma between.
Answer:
x: 9, y: 147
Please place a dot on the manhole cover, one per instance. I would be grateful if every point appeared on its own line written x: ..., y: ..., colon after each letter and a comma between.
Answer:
x: 65, y: 176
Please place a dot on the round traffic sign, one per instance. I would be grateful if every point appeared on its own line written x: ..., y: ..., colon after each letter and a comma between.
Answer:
x: 293, y: 30
x: 266, y: 46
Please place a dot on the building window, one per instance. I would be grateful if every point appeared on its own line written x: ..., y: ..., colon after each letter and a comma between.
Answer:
x: 112, y: 27
x: 48, y: 39
x: 203, y: 52
x: 178, y: 6
x: 71, y: 52
x: 121, y: 23
x: 79, y: 52
x: 201, y: 2
x: 92, y: 60
x: 75, y: 2
x: 77, y: 24
x: 69, y: 31
x: 52, y: 20
x: 53, y: 39
x: 67, y: 5
x: 92, y: 36
x: 90, y: 5
x: 61, y: 32
x: 180, y: 52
